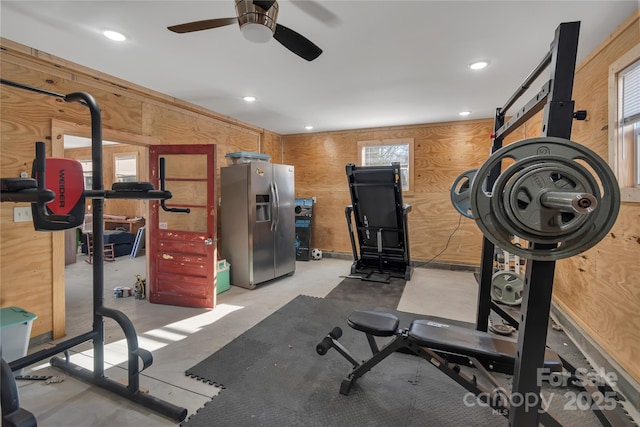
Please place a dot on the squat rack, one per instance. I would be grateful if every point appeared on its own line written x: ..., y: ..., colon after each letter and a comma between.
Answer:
x: 555, y: 98
x: 130, y: 391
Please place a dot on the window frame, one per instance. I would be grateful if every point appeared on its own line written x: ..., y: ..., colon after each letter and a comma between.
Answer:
x: 392, y: 141
x: 128, y: 155
x: 621, y: 139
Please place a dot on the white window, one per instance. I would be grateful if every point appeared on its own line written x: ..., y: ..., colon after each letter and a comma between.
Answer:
x: 126, y: 168
x: 384, y: 152
x: 87, y: 171
x: 624, y: 123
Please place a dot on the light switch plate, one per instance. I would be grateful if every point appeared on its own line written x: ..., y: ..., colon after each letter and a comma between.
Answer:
x: 22, y: 214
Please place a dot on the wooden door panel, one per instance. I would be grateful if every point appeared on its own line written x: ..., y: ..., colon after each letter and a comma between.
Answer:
x: 190, y: 223
x: 184, y: 265
x: 189, y: 166
x: 188, y: 193
x: 189, y: 295
x: 182, y: 245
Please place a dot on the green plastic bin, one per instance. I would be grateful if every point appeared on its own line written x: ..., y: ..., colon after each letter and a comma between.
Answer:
x: 222, y: 276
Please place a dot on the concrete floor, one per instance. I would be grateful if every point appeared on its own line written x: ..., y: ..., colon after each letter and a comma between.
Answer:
x: 180, y: 337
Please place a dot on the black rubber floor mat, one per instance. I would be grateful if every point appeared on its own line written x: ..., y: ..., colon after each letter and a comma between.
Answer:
x: 374, y: 294
x: 272, y: 376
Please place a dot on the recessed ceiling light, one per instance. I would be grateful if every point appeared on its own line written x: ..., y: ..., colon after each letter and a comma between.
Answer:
x: 465, y: 113
x: 249, y: 98
x: 114, y: 35
x: 308, y: 127
x: 479, y: 65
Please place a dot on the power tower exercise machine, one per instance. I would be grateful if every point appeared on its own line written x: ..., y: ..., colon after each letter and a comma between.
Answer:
x: 60, y: 209
x: 380, y: 222
x: 554, y: 200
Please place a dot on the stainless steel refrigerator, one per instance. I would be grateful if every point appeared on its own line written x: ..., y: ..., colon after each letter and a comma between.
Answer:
x: 257, y: 221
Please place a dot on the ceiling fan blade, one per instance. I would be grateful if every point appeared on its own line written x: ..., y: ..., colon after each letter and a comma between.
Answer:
x: 264, y: 4
x: 296, y: 43
x: 207, y: 24
x: 316, y: 10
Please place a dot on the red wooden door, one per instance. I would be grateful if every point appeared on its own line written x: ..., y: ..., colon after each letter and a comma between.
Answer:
x: 182, y: 246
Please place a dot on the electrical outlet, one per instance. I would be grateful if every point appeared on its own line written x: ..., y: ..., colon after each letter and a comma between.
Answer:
x: 22, y: 214
x: 162, y: 226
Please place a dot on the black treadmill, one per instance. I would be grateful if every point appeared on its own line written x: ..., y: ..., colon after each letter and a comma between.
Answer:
x: 380, y: 222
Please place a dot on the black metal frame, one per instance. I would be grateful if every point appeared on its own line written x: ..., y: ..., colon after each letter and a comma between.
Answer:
x: 556, y: 99
x: 131, y: 390
x: 393, y: 261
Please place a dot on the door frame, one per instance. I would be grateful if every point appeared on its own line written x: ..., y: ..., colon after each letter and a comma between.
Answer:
x: 154, y: 205
x: 59, y: 129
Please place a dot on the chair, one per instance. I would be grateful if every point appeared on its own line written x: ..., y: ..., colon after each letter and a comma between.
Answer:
x: 109, y: 251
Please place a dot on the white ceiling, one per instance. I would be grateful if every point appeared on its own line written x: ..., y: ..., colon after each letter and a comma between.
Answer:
x: 384, y: 63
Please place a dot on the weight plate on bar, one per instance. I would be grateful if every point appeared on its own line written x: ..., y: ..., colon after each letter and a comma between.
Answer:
x: 521, y: 210
x: 507, y: 287
x: 461, y: 192
x: 499, y: 222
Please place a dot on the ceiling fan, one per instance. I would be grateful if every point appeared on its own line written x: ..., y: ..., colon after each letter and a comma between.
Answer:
x: 257, y: 20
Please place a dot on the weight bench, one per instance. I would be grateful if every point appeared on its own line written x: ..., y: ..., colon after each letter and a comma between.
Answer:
x: 381, y: 223
x: 445, y: 346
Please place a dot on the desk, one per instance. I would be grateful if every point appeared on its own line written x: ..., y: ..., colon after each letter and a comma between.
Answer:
x: 130, y: 225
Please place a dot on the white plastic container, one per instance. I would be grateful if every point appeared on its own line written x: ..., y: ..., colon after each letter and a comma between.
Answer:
x: 15, y: 332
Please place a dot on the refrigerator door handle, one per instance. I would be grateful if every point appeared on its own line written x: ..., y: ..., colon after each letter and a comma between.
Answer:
x: 272, y: 190
x: 277, y: 222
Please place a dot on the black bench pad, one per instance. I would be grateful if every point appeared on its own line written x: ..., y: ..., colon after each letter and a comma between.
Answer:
x: 470, y: 342
x: 374, y: 323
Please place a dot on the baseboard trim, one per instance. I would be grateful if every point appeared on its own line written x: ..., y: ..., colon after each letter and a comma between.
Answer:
x: 599, y: 359
x: 444, y: 266
x: 47, y: 337
x: 415, y: 262
x: 338, y: 255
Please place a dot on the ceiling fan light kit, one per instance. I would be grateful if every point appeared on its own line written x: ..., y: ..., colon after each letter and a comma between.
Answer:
x: 257, y: 20
x: 257, y: 24
x: 256, y: 33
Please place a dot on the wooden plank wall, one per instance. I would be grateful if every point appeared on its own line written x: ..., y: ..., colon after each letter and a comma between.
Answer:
x: 442, y: 152
x: 599, y: 288
x: 30, y: 276
x: 272, y: 145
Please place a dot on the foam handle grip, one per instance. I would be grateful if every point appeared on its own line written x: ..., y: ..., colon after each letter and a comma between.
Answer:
x: 40, y: 165
x: 324, y: 346
x: 336, y: 333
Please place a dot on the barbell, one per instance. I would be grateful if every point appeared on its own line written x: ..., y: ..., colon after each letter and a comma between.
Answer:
x: 558, y: 195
